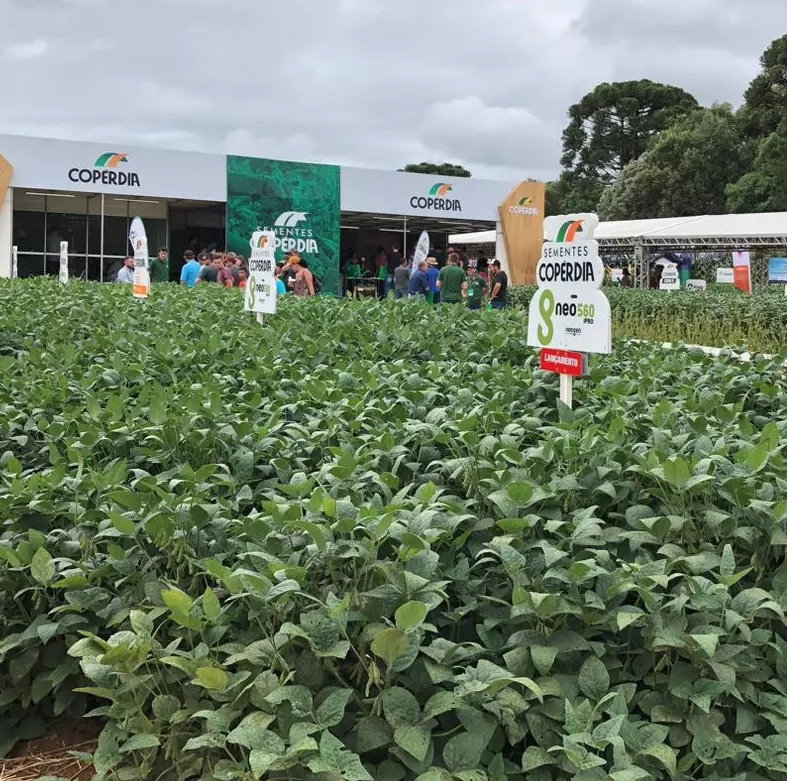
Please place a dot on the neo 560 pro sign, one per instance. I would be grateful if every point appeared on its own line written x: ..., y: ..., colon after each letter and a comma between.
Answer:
x: 569, y: 311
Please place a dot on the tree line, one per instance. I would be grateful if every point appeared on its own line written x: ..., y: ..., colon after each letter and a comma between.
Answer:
x: 640, y: 150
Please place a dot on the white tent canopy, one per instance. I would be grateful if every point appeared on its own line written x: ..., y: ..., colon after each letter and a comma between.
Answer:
x: 708, y: 232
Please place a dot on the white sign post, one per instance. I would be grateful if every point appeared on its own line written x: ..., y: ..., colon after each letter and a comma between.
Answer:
x: 421, y: 252
x: 725, y: 276
x: 569, y: 314
x: 670, y: 278
x: 63, y: 262
x: 697, y: 285
x: 14, y: 262
x: 261, y: 294
x: 139, y: 242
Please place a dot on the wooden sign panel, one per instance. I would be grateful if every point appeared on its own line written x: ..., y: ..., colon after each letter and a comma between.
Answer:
x: 522, y: 221
x: 5, y: 178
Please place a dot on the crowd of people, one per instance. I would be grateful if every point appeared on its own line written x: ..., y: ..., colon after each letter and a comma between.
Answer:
x: 448, y: 276
x: 461, y: 279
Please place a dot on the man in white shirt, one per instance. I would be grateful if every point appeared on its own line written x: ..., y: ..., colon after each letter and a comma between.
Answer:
x: 126, y: 274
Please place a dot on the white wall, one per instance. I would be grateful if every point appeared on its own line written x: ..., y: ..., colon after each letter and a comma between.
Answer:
x: 6, y: 235
x: 500, y: 250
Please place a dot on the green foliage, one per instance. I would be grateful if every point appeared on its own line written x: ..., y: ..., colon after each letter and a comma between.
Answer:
x: 722, y: 317
x: 766, y: 99
x: 612, y: 126
x: 367, y: 552
x: 438, y: 169
x: 685, y: 171
x: 764, y: 188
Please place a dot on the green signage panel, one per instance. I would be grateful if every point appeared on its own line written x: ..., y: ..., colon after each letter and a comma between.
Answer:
x: 299, y: 202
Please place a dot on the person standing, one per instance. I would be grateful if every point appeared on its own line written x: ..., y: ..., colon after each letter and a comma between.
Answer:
x: 626, y: 280
x: 189, y: 274
x: 225, y: 276
x: 394, y: 261
x: 476, y: 289
x: 303, y: 281
x: 452, y: 281
x: 126, y: 274
x: 418, y: 287
x: 210, y: 271
x: 352, y: 273
x: 159, y: 267
x: 402, y: 278
x: 499, y: 283
x: 433, y: 272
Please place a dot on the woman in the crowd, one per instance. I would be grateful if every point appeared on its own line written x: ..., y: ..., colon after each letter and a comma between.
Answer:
x: 303, y: 281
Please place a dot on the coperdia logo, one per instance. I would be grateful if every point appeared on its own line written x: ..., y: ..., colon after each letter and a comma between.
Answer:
x: 438, y: 199
x: 525, y: 207
x: 110, y: 168
x: 292, y: 235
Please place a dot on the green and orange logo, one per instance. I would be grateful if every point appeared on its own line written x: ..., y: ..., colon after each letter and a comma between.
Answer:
x: 262, y: 243
x: 106, y: 170
x: 110, y: 160
x: 441, y: 189
x: 568, y: 231
x: 437, y: 200
x: 524, y: 207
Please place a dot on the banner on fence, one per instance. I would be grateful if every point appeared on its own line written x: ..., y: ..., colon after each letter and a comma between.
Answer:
x: 741, y: 264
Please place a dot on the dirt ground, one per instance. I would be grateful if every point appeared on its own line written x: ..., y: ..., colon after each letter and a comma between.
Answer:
x: 49, y: 755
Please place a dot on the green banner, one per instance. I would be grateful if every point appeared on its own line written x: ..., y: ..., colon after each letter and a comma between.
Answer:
x: 299, y: 202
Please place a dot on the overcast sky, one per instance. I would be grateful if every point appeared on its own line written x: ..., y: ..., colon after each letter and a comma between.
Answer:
x: 377, y: 83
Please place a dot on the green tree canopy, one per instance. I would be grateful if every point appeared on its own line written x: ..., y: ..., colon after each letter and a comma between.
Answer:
x: 685, y: 171
x: 766, y: 98
x: 612, y: 126
x: 764, y: 188
x: 438, y: 169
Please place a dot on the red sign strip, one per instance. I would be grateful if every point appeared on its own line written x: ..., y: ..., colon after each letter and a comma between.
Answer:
x: 563, y: 362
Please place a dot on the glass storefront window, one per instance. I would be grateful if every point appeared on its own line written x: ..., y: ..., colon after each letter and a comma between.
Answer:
x: 29, y: 264
x: 29, y: 231
x: 66, y: 227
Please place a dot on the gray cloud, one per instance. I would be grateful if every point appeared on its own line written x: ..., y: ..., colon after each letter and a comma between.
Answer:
x: 378, y: 83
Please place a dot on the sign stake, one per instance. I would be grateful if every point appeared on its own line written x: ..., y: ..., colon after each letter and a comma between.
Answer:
x: 259, y: 318
x: 567, y: 390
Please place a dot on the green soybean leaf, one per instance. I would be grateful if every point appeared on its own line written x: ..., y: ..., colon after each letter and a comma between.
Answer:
x: 42, y: 567
x: 211, y: 678
x: 210, y: 604
x: 593, y: 679
x: 414, y: 740
x: 390, y: 644
x: 411, y: 615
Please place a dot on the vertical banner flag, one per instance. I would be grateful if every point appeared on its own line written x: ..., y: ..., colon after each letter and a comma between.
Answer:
x: 569, y: 311
x: 522, y: 224
x: 421, y: 252
x: 14, y: 262
x: 741, y: 264
x: 261, y: 286
x: 63, y: 262
x: 139, y: 243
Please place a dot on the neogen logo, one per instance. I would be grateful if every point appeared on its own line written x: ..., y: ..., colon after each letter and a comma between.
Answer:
x: 107, y: 170
x: 292, y: 235
x: 524, y: 207
x: 437, y: 200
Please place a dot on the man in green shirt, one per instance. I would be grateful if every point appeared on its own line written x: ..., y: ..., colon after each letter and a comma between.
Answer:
x: 476, y: 288
x: 452, y: 281
x: 159, y: 267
